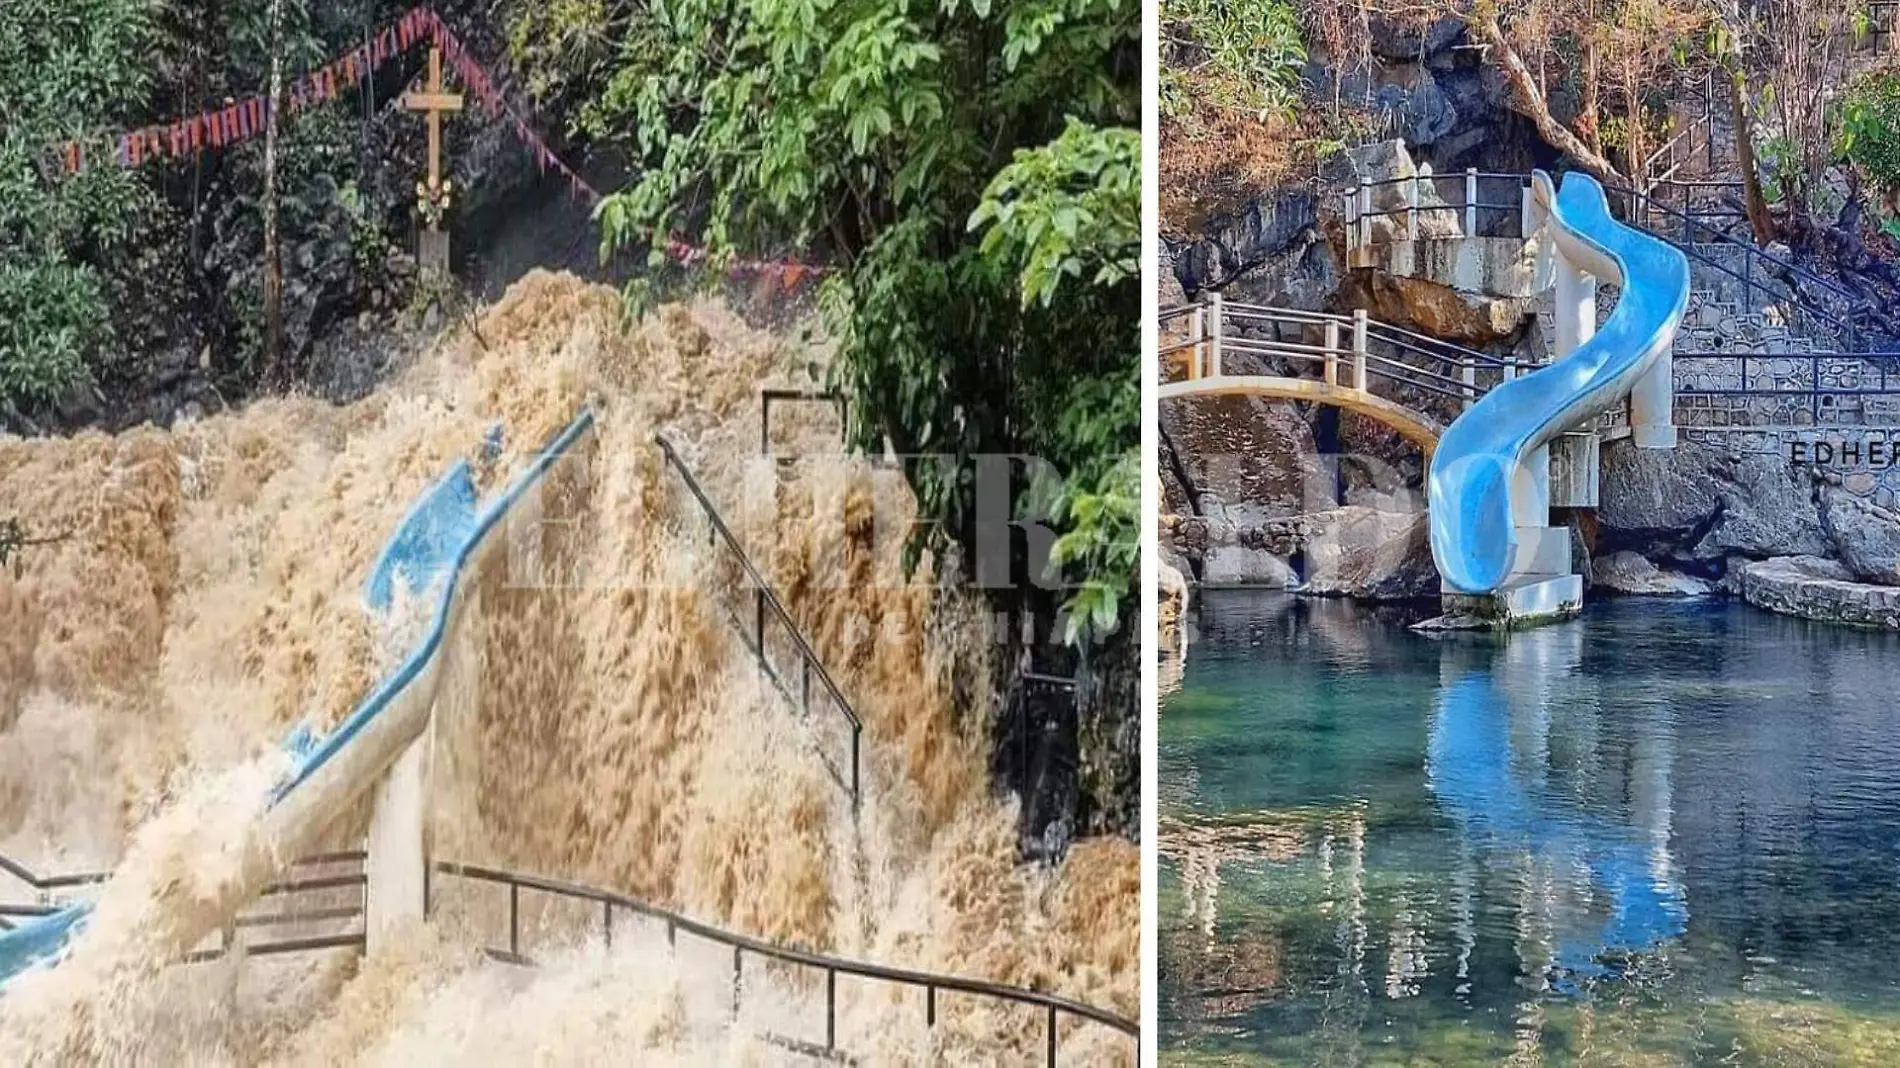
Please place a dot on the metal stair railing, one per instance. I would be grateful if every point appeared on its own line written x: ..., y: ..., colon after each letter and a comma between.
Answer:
x: 1776, y: 277
x: 932, y: 984
x: 49, y: 889
x: 766, y: 604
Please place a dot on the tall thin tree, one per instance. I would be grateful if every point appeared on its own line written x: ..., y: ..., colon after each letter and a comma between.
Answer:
x: 275, y: 371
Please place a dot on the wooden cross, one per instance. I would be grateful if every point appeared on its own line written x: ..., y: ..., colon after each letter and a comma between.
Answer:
x: 434, y: 102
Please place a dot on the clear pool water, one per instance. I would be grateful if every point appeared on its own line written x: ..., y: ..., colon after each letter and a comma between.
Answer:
x: 1666, y: 833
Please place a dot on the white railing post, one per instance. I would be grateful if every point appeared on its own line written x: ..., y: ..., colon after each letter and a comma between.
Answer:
x: 1197, y: 334
x: 1526, y: 211
x: 1471, y: 202
x: 1332, y: 352
x: 1216, y: 328
x: 1411, y: 207
x: 1359, y: 349
x: 1365, y: 215
x: 1468, y: 374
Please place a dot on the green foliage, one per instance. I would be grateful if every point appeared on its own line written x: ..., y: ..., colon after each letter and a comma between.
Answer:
x: 1870, y: 127
x: 64, y: 68
x: 1236, y: 54
x: 1103, y: 540
x: 971, y: 165
x: 1071, y: 208
x: 52, y: 319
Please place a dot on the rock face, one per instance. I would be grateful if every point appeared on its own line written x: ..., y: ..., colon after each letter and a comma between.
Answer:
x: 1629, y: 572
x: 1820, y: 589
x: 1371, y: 555
x: 1235, y: 243
x: 1866, y: 536
x: 1692, y: 503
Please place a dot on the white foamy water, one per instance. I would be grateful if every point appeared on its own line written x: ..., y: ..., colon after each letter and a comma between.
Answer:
x: 598, y: 721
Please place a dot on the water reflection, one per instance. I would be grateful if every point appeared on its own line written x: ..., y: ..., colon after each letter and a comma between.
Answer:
x: 1488, y: 767
x: 1631, y: 832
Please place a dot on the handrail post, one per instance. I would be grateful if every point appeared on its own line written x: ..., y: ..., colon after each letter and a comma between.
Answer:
x: 1359, y: 349
x: 1217, y: 329
x: 1332, y: 352
x: 1365, y: 215
x: 1411, y: 208
x: 1052, y: 1036
x: 1468, y: 374
x: 514, y: 919
x: 1197, y: 335
x: 831, y: 1010
x: 1471, y: 202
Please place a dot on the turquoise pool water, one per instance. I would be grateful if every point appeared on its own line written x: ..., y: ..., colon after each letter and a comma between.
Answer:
x: 1666, y: 833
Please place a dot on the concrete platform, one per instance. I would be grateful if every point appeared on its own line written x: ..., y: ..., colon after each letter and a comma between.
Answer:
x: 1529, y: 603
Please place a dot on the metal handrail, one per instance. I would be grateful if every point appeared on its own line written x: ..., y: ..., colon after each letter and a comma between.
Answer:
x: 740, y: 944
x: 44, y: 884
x: 766, y: 598
x: 770, y: 394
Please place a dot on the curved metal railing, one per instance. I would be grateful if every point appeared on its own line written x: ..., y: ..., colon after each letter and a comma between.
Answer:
x: 832, y: 967
x: 766, y: 604
x: 1354, y: 350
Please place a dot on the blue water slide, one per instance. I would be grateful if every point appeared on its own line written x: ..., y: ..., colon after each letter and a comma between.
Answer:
x: 1474, y: 539
x: 431, y: 552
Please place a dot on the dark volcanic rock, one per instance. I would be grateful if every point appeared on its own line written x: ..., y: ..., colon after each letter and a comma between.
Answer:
x: 1240, y: 241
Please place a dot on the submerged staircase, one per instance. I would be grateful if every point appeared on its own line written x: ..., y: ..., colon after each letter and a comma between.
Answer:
x: 345, y: 914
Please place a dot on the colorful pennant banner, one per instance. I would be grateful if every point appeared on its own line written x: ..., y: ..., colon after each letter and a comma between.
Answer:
x: 242, y: 120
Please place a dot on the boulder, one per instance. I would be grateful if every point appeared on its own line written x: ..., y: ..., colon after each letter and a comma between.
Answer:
x: 1239, y: 565
x: 1432, y: 309
x: 1629, y: 572
x: 1865, y: 536
x: 1692, y: 502
x: 1414, y: 106
x: 1368, y: 554
x: 1814, y: 588
x: 1172, y: 587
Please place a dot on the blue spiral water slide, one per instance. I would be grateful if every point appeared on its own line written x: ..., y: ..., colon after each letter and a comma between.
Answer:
x: 1473, y: 532
x: 445, y: 538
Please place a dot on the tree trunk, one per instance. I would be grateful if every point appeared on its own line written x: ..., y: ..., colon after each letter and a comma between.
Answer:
x: 275, y: 372
x: 1759, y: 220
x: 1589, y: 121
x: 1527, y: 101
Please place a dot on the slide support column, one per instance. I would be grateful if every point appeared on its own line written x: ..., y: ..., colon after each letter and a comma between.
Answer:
x: 396, y: 863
